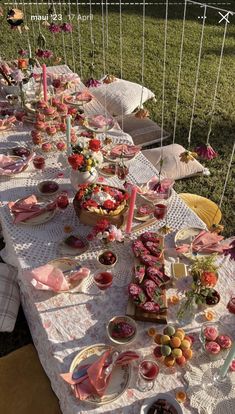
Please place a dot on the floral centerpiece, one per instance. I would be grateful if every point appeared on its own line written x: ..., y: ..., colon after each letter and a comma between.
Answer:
x: 105, y: 231
x: 202, y: 292
x: 86, y: 157
x: 95, y: 201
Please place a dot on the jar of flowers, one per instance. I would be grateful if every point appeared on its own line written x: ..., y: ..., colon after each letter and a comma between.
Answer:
x: 84, y: 160
x: 202, y: 292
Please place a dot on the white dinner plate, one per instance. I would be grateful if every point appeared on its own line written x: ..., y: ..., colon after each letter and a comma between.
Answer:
x: 120, y: 376
x: 66, y: 264
x: 88, y: 125
x: 186, y: 236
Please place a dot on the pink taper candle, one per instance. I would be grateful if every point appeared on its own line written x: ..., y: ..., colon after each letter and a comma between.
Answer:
x: 131, y: 209
x: 44, y: 81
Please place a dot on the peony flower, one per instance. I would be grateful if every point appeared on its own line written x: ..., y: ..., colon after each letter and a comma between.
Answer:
x: 108, y: 204
x: 39, y: 53
x: 187, y: 156
x: 90, y: 203
x: 92, y: 83
x: 54, y: 28
x: 47, y: 54
x: 94, y: 145
x: 208, y: 279
x: 67, y: 27
x: 76, y: 161
x: 206, y: 152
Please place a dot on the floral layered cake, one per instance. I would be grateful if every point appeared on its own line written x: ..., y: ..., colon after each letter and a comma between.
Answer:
x: 95, y: 201
x: 147, y: 291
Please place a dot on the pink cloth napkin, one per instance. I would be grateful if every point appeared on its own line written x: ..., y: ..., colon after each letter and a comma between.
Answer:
x: 100, y: 121
x: 204, y: 242
x: 10, y: 166
x: 160, y: 186
x: 126, y: 150
x: 48, y: 277
x: 28, y: 208
x: 93, y: 379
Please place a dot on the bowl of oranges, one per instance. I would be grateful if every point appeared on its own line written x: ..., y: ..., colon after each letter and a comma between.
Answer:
x: 173, y: 347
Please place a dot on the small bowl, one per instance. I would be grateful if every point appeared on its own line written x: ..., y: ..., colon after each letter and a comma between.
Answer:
x: 221, y: 330
x: 42, y: 183
x: 121, y: 341
x: 107, y: 266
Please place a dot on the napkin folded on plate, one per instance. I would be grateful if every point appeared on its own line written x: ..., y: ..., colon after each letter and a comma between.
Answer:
x: 93, y: 379
x: 204, y: 242
x: 48, y: 277
x: 125, y: 150
x: 28, y: 208
x: 10, y: 166
x: 100, y: 121
x: 84, y: 96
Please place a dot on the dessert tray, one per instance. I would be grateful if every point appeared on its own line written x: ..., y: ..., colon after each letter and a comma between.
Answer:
x: 78, y: 99
x: 119, y: 380
x: 98, y: 123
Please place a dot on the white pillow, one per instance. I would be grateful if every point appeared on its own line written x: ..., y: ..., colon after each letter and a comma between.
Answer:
x: 9, y: 297
x: 173, y: 167
x: 121, y: 96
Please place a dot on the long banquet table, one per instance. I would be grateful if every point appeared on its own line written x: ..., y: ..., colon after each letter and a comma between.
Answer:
x: 62, y: 324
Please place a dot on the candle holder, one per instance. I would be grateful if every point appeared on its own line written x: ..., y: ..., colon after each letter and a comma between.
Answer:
x: 213, y: 383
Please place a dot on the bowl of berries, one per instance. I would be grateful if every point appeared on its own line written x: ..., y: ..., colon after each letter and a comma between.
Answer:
x: 107, y: 259
x: 121, y: 330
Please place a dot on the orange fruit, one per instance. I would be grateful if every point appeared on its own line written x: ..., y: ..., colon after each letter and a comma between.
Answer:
x: 151, y: 332
x: 157, y: 339
x: 181, y: 361
x: 175, y: 342
x: 181, y: 396
x: 169, y: 361
x: 188, y: 353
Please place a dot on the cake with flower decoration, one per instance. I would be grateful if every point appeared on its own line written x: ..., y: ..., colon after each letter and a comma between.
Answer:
x: 95, y: 201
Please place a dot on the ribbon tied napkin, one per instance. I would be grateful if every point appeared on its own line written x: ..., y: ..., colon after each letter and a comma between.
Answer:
x: 93, y: 379
x: 48, y: 277
x: 10, y: 166
x: 100, y: 121
x: 29, y: 208
x: 204, y: 242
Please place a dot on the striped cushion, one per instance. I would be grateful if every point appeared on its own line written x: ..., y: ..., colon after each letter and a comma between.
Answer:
x: 9, y: 297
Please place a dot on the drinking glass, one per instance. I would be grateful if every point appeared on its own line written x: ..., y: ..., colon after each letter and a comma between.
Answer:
x: 160, y: 211
x: 39, y: 162
x: 148, y: 372
x: 103, y: 280
x: 62, y: 202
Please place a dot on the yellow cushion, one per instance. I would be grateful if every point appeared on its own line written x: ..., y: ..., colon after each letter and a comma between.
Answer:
x: 24, y: 386
x: 206, y: 209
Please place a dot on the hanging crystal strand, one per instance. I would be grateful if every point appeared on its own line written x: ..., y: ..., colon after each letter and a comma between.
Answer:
x: 142, y: 63
x: 103, y: 38
x: 197, y: 77
x: 79, y: 41
x: 217, y: 227
x: 121, y: 49
x: 33, y: 32
x: 164, y: 74
x: 217, y: 83
x: 72, y: 46
x: 179, y: 73
x: 92, y: 41
x: 107, y: 32
x: 64, y: 48
x: 53, y: 34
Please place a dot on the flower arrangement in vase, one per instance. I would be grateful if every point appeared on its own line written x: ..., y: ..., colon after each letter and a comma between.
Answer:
x: 85, y: 158
x: 106, y: 231
x: 205, y: 276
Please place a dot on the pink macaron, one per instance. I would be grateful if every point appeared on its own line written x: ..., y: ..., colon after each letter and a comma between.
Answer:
x: 212, y: 347
x: 210, y: 333
x: 224, y: 341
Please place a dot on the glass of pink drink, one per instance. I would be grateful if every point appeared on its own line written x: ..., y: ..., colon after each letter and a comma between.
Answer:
x: 160, y: 211
x: 62, y: 202
x: 103, y: 280
x: 39, y: 162
x: 148, y: 372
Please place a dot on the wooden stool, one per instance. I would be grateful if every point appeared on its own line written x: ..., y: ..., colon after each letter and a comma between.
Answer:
x: 205, y: 209
x: 24, y: 386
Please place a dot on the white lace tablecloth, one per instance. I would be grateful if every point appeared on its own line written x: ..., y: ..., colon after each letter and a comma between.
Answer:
x: 63, y: 324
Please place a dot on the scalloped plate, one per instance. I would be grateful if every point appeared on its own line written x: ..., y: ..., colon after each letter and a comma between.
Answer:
x: 119, y: 379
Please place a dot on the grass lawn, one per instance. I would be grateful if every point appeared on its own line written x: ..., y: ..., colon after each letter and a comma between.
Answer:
x: 223, y: 130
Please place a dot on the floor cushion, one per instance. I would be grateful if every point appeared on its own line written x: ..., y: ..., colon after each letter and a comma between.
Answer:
x: 143, y: 131
x: 9, y: 297
x: 24, y: 386
x: 206, y: 209
x: 173, y: 167
x: 121, y: 96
